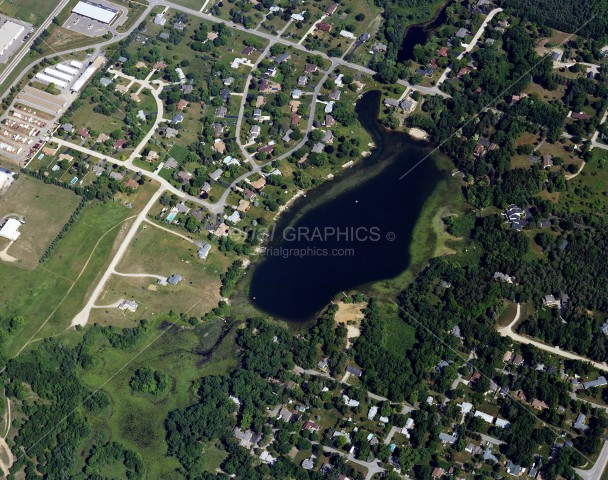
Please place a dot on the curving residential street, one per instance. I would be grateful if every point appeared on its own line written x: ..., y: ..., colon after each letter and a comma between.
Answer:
x: 508, y: 332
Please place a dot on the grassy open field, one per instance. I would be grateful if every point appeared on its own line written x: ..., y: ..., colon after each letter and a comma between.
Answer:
x: 158, y: 252
x: 31, y: 11
x: 49, y: 296
x: 184, y: 354
x: 589, y: 190
x: 46, y: 209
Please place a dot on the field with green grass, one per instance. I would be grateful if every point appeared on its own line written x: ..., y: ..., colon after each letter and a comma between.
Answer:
x: 49, y: 296
x: 589, y: 189
x: 45, y: 208
x: 184, y: 354
x: 31, y: 11
x: 155, y: 251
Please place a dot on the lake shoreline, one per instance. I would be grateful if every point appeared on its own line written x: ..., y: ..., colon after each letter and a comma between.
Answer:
x: 288, y: 286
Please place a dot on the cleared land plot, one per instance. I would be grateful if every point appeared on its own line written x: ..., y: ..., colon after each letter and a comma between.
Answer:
x: 157, y: 252
x: 55, y: 291
x: 31, y: 11
x: 589, y: 190
x: 138, y: 419
x: 46, y: 209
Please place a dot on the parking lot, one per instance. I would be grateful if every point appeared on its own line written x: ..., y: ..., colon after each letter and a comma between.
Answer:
x: 93, y: 28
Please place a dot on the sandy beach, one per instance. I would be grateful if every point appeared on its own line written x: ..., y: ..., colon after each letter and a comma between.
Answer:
x: 418, y: 133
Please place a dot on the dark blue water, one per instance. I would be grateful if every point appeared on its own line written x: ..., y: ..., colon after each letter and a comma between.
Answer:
x: 349, y: 232
x: 420, y: 34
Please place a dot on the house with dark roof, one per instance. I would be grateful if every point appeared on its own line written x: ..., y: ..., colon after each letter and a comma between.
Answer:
x: 324, y: 27
x: 331, y: 9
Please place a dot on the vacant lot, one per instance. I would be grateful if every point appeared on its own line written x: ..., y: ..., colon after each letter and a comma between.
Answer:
x: 49, y: 296
x: 31, y: 11
x: 138, y: 420
x: 46, y: 209
x: 157, y: 252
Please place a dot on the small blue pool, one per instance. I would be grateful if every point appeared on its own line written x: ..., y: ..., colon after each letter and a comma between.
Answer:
x: 74, y: 180
x: 171, y: 216
x: 41, y: 156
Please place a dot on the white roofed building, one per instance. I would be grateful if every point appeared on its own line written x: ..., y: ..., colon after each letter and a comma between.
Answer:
x: 9, y: 32
x: 10, y: 229
x: 95, y: 11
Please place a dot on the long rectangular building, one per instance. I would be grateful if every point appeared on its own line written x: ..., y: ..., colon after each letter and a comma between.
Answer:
x: 48, y: 79
x: 9, y: 32
x: 95, y: 11
x: 57, y: 74
x: 66, y: 69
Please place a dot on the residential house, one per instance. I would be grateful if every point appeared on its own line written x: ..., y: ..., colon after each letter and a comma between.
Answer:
x: 181, y: 104
x: 550, y: 301
x: 285, y: 414
x: 248, y: 50
x: 407, y: 105
x: 547, y: 160
x: 254, y: 133
x: 184, y: 176
x: 462, y: 33
x: 216, y: 175
x: 130, y: 305
x: 329, y: 121
x: 391, y: 102
x: 203, y: 252
x: 302, y: 81
x: 117, y: 176
x: 598, y: 382
x: 328, y: 138
x: 324, y: 27
x: 437, y: 472
x: 105, y: 81
x: 580, y: 116
x: 220, y: 112
x: 503, y: 277
x: 296, y: 94
x: 335, y: 95
x: 354, y: 371
x: 446, y: 438
x: 174, y: 279
x: 259, y: 184
x: 331, y: 9
x: 171, y: 163
x: 443, y: 52
x: 177, y: 119
x: 282, y: 58
x: 579, y: 424
x: 310, y: 68
x: 311, y: 426
x: 171, y: 132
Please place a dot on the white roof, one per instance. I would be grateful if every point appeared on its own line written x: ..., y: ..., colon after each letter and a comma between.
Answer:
x: 49, y: 79
x: 76, y: 64
x: 96, y: 12
x: 465, y: 407
x: 372, y: 412
x: 65, y: 68
x: 8, y: 33
x: 86, y: 75
x: 10, y: 229
x: 56, y: 73
x: 502, y: 423
x: 484, y: 416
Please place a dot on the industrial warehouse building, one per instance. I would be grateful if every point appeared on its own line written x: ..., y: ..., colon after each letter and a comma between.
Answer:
x: 95, y: 11
x: 9, y: 32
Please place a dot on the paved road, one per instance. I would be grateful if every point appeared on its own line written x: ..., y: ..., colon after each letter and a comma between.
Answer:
x: 83, y: 316
x: 372, y: 467
x: 472, y: 43
x: 212, y: 207
x: 599, y: 466
x: 508, y: 332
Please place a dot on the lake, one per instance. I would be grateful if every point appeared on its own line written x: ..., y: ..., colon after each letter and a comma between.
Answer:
x: 349, y: 232
x: 419, y: 34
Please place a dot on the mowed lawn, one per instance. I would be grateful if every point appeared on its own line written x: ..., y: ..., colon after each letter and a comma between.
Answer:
x: 155, y: 251
x: 46, y: 209
x: 138, y: 420
x: 31, y: 11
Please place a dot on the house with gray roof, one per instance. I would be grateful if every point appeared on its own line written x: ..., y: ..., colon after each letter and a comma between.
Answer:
x: 446, y: 438
x: 174, y: 279
x: 598, y: 382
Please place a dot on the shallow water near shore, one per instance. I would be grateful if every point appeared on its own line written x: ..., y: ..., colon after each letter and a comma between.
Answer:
x: 350, y: 231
